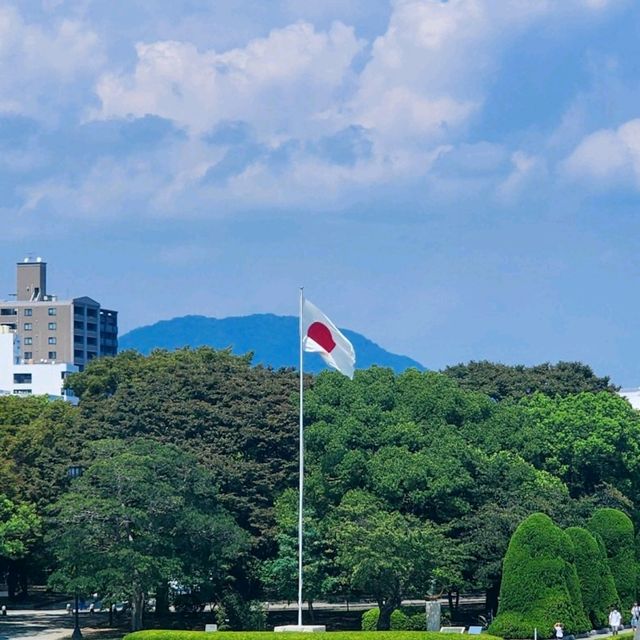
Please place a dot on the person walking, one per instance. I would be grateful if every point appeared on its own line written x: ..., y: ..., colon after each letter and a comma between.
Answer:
x: 559, y: 630
x: 635, y: 615
x: 615, y: 619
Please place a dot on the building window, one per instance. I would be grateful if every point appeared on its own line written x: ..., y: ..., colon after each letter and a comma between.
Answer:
x: 27, y: 326
x: 92, y: 313
x: 91, y: 326
x: 52, y: 311
x: 28, y: 312
x: 28, y: 340
x: 92, y: 342
x: 78, y: 324
x: 8, y: 312
x: 52, y: 340
x: 53, y: 355
x: 21, y: 378
x: 78, y: 354
x: 22, y: 392
x: 53, y: 326
x: 28, y: 355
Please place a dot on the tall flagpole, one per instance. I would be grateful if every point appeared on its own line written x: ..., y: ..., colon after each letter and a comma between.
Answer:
x: 301, y: 470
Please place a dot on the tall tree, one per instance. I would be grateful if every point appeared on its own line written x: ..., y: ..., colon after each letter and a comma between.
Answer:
x: 239, y: 421
x: 388, y: 555
x: 142, y: 514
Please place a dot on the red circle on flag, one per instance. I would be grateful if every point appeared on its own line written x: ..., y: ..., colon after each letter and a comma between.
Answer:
x: 321, y: 334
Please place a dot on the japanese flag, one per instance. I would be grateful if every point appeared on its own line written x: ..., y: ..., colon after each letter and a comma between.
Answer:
x: 320, y: 335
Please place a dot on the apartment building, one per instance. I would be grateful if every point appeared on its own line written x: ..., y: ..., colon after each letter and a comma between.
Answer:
x: 53, y: 330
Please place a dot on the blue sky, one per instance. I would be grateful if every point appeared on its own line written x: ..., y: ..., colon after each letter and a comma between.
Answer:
x: 456, y: 180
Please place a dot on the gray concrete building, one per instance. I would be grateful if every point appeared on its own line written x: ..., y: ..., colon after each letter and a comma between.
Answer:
x: 53, y: 330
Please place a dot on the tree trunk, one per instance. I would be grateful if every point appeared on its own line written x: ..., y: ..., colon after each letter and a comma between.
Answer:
x: 492, y: 598
x: 311, y: 614
x: 12, y: 582
x: 137, y: 607
x: 162, y: 600
x: 24, y: 583
x: 450, y: 598
x: 386, y: 609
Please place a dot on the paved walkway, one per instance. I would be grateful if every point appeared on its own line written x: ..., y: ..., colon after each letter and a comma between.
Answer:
x: 40, y: 625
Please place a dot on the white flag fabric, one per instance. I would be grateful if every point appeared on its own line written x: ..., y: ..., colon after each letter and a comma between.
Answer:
x: 320, y: 335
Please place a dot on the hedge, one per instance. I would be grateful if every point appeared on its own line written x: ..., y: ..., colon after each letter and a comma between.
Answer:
x: 596, y: 582
x: 401, y: 620
x: 616, y: 530
x: 539, y: 583
x: 269, y: 635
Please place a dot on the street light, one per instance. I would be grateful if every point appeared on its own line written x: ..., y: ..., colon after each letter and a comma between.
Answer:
x: 75, y: 472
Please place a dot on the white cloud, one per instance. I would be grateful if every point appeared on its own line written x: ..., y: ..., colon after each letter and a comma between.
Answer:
x: 37, y: 61
x: 412, y: 97
x: 525, y: 168
x: 607, y: 157
x: 430, y: 72
x: 280, y: 84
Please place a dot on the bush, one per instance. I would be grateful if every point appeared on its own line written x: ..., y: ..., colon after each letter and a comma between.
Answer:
x: 616, y: 530
x: 539, y: 583
x: 235, y: 613
x: 401, y: 620
x: 596, y: 582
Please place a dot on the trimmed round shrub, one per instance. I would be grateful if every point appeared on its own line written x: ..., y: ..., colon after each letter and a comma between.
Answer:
x: 616, y: 530
x: 401, y: 620
x: 539, y: 583
x: 596, y: 582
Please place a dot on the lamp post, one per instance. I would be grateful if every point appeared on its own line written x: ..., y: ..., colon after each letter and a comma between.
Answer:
x: 76, y: 472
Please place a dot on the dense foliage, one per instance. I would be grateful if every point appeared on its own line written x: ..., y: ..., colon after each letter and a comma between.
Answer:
x: 500, y: 381
x: 414, y: 482
x: 539, y: 584
x: 401, y: 620
x: 142, y: 514
x: 238, y: 420
x: 616, y: 531
x: 596, y: 582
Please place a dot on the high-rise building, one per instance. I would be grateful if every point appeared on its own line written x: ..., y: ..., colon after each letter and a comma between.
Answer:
x: 51, y: 330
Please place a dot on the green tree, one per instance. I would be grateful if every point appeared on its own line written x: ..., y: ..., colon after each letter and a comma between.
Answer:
x: 596, y: 582
x: 141, y: 514
x: 386, y: 554
x: 280, y: 574
x: 20, y: 527
x: 615, y: 528
x: 500, y: 381
x: 587, y: 440
x: 508, y: 489
x: 239, y: 421
x: 539, y: 584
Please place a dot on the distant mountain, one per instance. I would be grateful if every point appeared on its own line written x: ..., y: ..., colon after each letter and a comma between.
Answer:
x: 273, y: 340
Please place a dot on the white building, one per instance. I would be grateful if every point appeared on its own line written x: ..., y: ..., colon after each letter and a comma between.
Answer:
x: 632, y: 395
x: 19, y: 377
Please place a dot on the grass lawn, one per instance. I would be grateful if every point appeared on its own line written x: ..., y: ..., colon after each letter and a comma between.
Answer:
x: 269, y: 635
